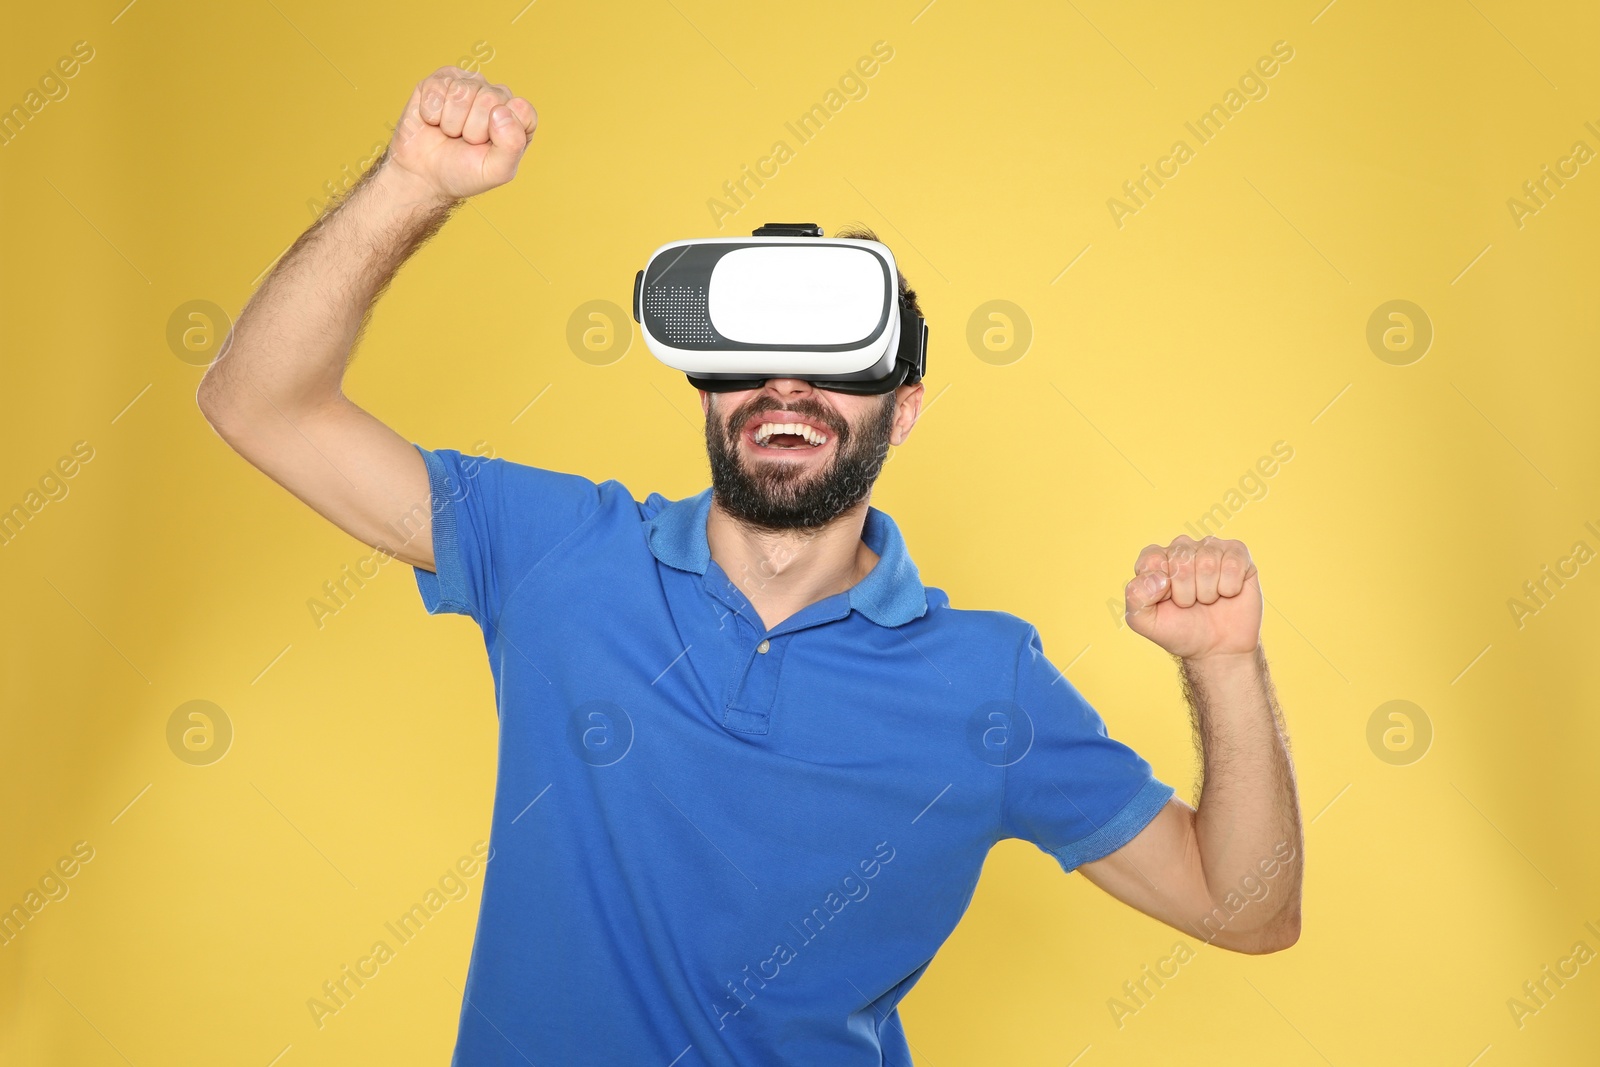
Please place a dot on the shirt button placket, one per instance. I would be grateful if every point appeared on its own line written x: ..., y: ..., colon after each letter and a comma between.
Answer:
x: 750, y: 708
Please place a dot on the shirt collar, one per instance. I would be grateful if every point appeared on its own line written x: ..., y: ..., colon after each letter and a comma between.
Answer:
x: 891, y: 594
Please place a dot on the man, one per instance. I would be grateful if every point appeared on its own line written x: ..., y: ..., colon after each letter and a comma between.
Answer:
x: 749, y: 765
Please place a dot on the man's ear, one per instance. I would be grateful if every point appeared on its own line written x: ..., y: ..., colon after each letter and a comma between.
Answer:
x: 705, y: 401
x: 908, y: 405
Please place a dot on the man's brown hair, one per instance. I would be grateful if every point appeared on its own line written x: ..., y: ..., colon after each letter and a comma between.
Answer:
x: 908, y: 295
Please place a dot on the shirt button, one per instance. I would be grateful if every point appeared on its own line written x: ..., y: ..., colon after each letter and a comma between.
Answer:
x: 764, y: 645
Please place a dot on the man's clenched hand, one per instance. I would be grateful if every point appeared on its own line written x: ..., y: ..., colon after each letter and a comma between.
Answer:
x: 1196, y: 599
x: 459, y: 135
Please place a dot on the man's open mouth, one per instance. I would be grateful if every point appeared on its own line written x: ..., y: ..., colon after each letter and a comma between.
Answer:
x: 788, y: 435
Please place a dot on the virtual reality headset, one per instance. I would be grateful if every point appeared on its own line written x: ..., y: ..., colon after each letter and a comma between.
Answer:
x: 785, y: 302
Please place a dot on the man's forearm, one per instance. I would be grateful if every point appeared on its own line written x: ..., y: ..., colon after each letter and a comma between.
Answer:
x: 290, y: 345
x: 1247, y: 819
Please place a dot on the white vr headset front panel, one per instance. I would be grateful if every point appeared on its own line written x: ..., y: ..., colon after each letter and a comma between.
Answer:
x: 762, y: 306
x: 776, y: 296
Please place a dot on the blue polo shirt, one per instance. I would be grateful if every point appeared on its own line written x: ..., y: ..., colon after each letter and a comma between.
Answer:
x: 718, y: 843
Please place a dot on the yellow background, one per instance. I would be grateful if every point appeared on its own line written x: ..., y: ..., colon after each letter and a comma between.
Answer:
x: 1229, y: 313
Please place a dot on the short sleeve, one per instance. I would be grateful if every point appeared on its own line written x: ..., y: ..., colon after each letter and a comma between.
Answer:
x: 493, y: 522
x: 1076, y: 793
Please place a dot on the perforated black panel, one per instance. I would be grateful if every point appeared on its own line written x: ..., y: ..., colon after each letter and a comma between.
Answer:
x: 680, y: 313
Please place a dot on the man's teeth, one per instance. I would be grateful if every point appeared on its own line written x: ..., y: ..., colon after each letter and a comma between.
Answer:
x: 765, y: 431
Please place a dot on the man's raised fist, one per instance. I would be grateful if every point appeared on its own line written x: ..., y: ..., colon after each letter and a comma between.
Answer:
x: 1196, y: 599
x: 459, y: 135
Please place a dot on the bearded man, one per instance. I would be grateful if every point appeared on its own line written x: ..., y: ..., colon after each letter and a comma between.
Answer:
x: 749, y: 764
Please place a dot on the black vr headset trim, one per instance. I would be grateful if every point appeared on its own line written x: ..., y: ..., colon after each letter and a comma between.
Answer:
x: 911, y: 358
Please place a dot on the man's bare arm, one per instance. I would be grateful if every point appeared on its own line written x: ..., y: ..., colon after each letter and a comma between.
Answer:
x: 275, y: 394
x: 1228, y: 872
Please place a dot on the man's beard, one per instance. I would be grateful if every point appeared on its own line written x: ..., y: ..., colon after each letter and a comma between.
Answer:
x: 787, y: 496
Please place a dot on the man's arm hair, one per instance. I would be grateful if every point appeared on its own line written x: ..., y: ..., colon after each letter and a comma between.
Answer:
x: 275, y: 394
x: 1230, y: 872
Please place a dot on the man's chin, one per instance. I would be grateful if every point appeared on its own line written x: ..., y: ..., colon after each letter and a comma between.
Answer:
x: 773, y: 498
x: 778, y: 493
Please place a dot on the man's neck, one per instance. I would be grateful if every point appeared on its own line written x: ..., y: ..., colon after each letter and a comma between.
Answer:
x: 782, y: 572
